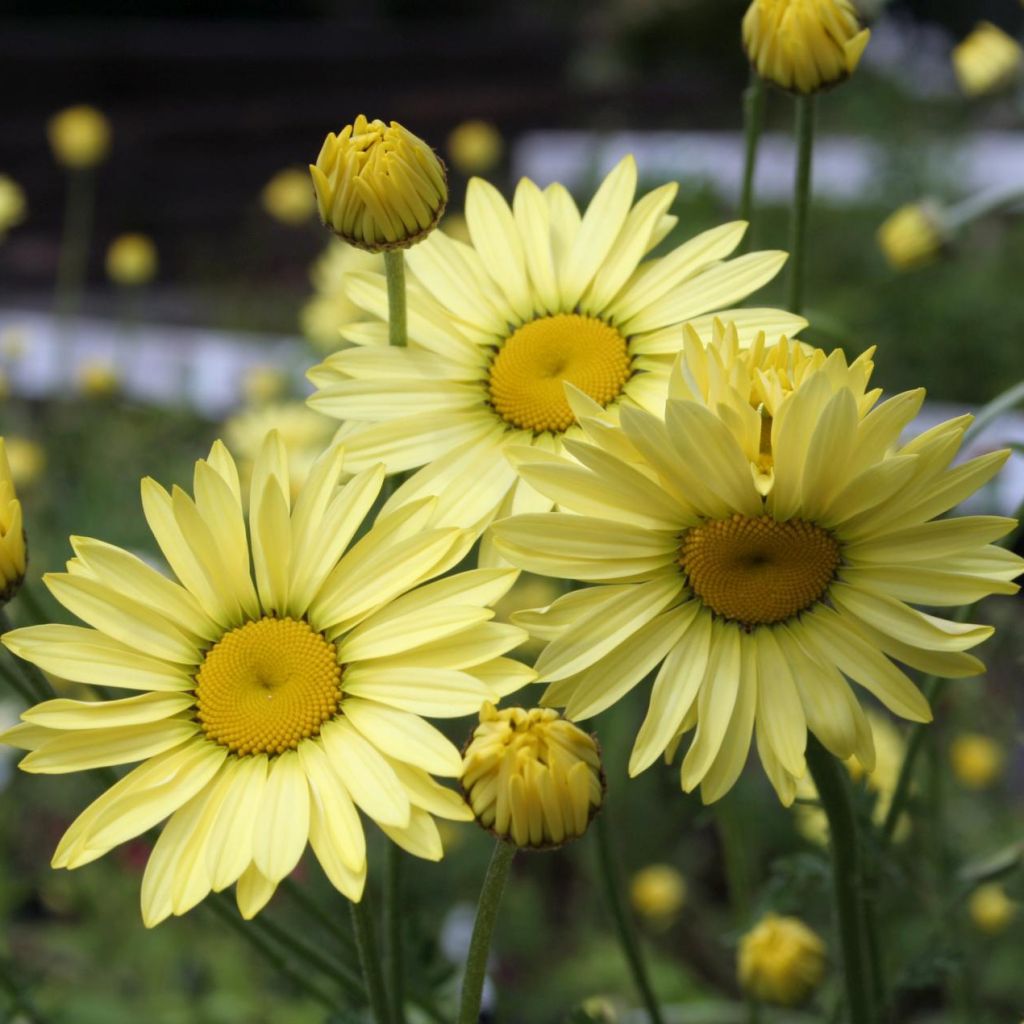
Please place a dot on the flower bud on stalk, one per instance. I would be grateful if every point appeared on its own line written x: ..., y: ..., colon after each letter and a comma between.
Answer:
x: 913, y: 235
x: 781, y: 960
x: 79, y: 137
x: 13, y: 552
x: 987, y: 60
x: 378, y: 186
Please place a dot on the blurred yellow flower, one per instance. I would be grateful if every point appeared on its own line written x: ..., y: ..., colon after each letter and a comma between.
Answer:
x: 455, y: 226
x: 378, y: 186
x: 991, y: 909
x: 131, y: 259
x: 912, y: 236
x: 803, y: 45
x: 330, y: 308
x: 288, y: 197
x: 658, y: 893
x: 79, y: 136
x: 475, y: 147
x: 26, y: 459
x: 977, y: 759
x: 599, y: 1010
x: 781, y: 960
x: 13, y: 554
x: 263, y: 383
x: 987, y: 60
x: 98, y: 379
x: 531, y: 777
x: 13, y: 207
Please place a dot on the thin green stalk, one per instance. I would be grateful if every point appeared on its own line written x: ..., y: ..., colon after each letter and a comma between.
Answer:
x: 17, y: 681
x: 309, y: 906
x: 273, y: 956
x: 753, y: 123
x: 483, y: 927
x: 32, y: 679
x: 801, y: 200
x: 1003, y: 403
x: 28, y: 601
x: 392, y: 944
x: 394, y: 272
x: 73, y: 261
x: 833, y: 786
x: 612, y: 881
x: 369, y: 957
x: 734, y: 850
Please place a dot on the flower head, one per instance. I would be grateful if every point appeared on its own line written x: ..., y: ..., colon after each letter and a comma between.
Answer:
x: 987, y: 60
x: 288, y: 197
x: 13, y: 207
x: 79, y: 136
x: 543, y: 297
x: 475, y: 147
x: 781, y: 960
x: 531, y: 777
x: 131, y: 259
x: 758, y: 545
x: 378, y: 186
x: 274, y: 700
x: 13, y: 553
x: 977, y: 760
x: 658, y: 892
x: 991, y: 910
x: 803, y: 45
x: 912, y: 236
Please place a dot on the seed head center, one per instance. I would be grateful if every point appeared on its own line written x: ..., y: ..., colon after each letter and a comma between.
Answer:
x: 757, y: 571
x: 267, y: 685
x: 527, y: 374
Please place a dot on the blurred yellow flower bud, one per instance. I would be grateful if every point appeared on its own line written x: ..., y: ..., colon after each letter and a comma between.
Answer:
x: 987, y: 60
x: 288, y: 197
x: 531, y: 776
x: 13, y: 554
x: 803, y: 45
x: 262, y: 384
x: 991, y: 909
x: 26, y: 460
x: 781, y: 960
x: 977, y: 760
x: 13, y: 207
x: 131, y: 259
x: 330, y: 308
x: 658, y: 893
x: 98, y: 379
x: 912, y: 236
x: 455, y: 226
x: 79, y: 136
x: 599, y: 1010
x: 378, y: 186
x: 475, y: 147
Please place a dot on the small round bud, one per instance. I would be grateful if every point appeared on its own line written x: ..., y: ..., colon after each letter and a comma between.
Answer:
x: 977, y: 760
x: 288, y: 197
x: 79, y: 137
x: 991, y: 909
x: 781, y: 960
x: 658, y: 893
x: 987, y: 60
x: 475, y: 147
x: 12, y: 204
x: 98, y: 379
x: 532, y: 777
x: 803, y: 45
x: 13, y: 551
x: 378, y: 186
x: 912, y: 236
x: 131, y: 260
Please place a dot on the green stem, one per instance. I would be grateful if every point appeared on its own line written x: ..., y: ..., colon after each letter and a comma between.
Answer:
x: 73, y: 261
x: 304, y: 902
x: 394, y: 272
x: 483, y: 927
x: 753, y: 123
x: 33, y: 680
x: 393, y: 932
x: 801, y: 200
x: 28, y: 600
x: 734, y: 850
x: 611, y: 878
x: 833, y: 786
x: 373, y: 976
x: 1005, y: 402
x: 18, y: 683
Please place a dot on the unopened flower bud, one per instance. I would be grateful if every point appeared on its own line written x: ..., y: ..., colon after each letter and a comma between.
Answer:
x: 781, y: 960
x: 79, y: 136
x: 987, y: 60
x: 13, y: 553
x: 912, y: 236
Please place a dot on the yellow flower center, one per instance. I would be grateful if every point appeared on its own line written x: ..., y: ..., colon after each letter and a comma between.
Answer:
x: 528, y: 372
x: 264, y: 687
x: 757, y: 571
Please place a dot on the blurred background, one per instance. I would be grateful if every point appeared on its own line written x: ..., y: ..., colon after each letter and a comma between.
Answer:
x: 119, y: 361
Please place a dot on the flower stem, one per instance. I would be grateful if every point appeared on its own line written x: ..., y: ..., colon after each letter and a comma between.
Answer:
x: 394, y: 272
x: 753, y: 122
x: 32, y: 680
x: 373, y: 976
x: 801, y: 200
x: 308, y: 905
x: 73, y: 260
x: 611, y: 877
x: 848, y: 881
x: 483, y: 927
x: 734, y: 854
x: 393, y: 932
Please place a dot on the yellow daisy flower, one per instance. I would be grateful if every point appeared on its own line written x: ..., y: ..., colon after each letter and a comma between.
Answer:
x: 276, y: 700
x: 764, y: 540
x: 543, y: 295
